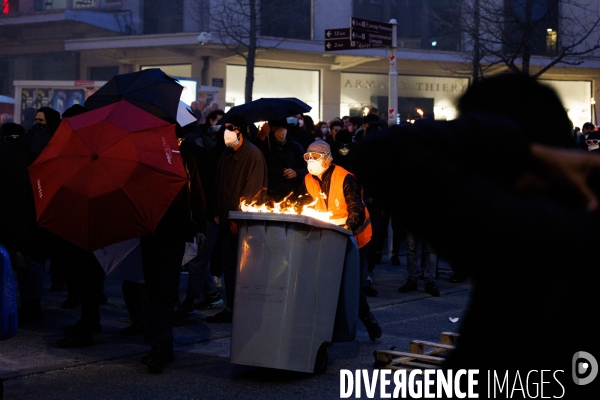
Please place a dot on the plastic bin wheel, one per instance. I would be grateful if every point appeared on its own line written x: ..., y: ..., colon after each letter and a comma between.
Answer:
x: 321, y: 360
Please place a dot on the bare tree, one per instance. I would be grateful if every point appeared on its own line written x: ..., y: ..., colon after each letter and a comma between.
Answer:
x: 509, y: 33
x: 235, y: 22
x: 242, y: 25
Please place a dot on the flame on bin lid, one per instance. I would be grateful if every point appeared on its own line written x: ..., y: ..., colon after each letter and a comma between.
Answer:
x: 287, y: 207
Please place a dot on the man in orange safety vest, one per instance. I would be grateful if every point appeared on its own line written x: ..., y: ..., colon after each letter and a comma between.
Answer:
x: 338, y: 191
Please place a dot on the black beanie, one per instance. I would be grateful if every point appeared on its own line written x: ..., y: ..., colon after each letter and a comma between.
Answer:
x: 238, y: 121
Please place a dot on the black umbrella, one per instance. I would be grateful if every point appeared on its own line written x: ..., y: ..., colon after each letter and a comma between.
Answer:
x: 269, y: 109
x: 151, y: 90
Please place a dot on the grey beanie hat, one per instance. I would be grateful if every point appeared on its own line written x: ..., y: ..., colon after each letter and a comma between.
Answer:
x: 319, y: 146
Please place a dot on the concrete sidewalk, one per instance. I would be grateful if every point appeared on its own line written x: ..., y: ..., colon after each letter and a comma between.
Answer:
x: 34, y: 368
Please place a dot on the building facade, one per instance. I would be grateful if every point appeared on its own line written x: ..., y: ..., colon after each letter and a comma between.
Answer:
x: 92, y: 40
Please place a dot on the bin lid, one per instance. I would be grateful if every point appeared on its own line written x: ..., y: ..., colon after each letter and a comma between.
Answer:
x: 301, y: 219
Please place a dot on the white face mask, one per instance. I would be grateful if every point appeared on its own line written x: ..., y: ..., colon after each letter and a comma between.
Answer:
x: 593, y: 147
x: 231, y: 139
x: 315, y: 167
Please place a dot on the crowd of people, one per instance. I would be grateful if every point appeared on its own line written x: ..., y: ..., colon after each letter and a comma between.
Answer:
x: 486, y: 190
x: 226, y: 161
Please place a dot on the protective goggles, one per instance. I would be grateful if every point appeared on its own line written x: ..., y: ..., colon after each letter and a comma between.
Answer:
x: 314, y: 156
x: 590, y: 142
x: 232, y: 128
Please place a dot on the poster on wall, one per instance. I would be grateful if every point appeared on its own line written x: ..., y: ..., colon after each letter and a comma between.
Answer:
x: 59, y: 95
x: 56, y: 98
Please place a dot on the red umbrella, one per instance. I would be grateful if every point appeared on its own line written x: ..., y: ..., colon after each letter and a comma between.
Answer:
x: 107, y: 175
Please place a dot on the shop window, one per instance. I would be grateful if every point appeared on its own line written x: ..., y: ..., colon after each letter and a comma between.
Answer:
x: 274, y: 82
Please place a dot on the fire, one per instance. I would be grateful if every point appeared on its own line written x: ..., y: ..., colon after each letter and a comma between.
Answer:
x: 287, y: 207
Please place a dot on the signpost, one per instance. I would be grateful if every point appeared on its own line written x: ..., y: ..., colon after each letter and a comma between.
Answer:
x: 340, y: 33
x: 372, y: 26
x: 346, y: 44
x: 367, y: 34
x: 375, y: 38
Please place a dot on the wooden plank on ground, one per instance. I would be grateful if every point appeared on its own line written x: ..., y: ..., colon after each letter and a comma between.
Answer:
x: 423, y: 354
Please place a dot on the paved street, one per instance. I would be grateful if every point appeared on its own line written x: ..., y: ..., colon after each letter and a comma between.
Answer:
x: 33, y: 368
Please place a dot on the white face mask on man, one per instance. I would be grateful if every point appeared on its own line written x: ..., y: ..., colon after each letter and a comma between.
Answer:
x: 231, y: 138
x: 315, y: 167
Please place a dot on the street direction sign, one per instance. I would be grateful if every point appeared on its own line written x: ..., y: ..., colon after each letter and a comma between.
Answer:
x: 375, y: 38
x: 346, y: 44
x: 362, y: 34
x: 372, y: 26
x: 340, y: 44
x: 340, y: 33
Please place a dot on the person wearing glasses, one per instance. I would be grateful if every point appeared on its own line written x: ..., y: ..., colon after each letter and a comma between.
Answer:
x: 338, y: 191
x: 241, y: 175
x: 586, y: 130
x: 593, y: 142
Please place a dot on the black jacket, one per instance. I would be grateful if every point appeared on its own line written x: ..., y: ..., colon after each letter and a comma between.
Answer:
x: 241, y: 174
x: 452, y: 183
x: 18, y: 226
x: 279, y: 156
x: 300, y: 136
x: 186, y: 215
x: 343, y: 144
x: 206, y: 152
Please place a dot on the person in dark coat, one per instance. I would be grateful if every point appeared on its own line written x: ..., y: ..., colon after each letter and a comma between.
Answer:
x: 19, y: 231
x: 371, y: 124
x: 515, y: 214
x: 241, y: 175
x: 335, y: 126
x: 344, y: 151
x: 10, y: 131
x: 206, y: 147
x: 586, y: 130
x: 58, y: 275
x: 372, y: 127
x: 162, y: 254
x: 298, y: 131
x: 593, y: 142
x: 284, y: 157
x: 84, y: 278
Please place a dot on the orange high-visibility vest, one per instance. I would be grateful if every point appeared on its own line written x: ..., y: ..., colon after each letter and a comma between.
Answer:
x: 336, y: 203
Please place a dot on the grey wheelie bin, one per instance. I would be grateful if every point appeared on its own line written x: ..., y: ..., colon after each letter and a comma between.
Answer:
x: 288, y: 281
